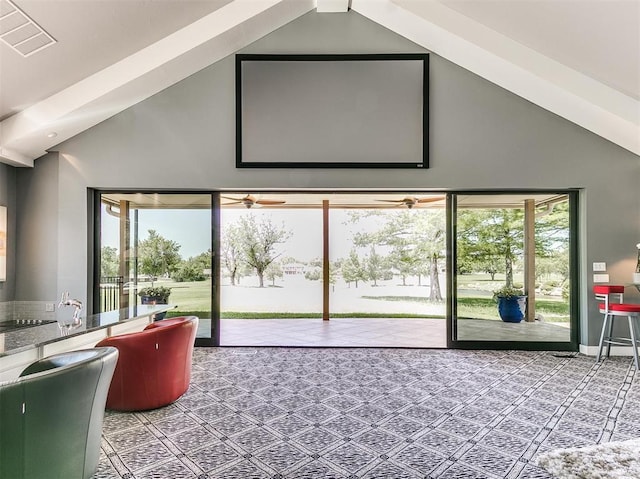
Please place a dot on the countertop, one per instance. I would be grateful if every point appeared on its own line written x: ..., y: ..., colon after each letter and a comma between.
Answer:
x: 19, y: 340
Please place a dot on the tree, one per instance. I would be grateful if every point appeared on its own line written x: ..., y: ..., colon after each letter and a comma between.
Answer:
x: 273, y: 271
x: 314, y: 270
x: 231, y: 252
x: 334, y: 267
x: 353, y: 269
x: 259, y: 240
x: 204, y: 259
x: 491, y: 265
x: 406, y: 261
x: 190, y: 270
x: 157, y: 255
x: 487, y: 235
x: 375, y: 266
x: 492, y: 240
x: 109, y: 261
x: 416, y: 238
x: 562, y: 265
x: 552, y: 240
x: 552, y: 229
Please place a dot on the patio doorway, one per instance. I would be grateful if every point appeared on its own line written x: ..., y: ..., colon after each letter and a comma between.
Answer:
x: 518, y: 245
x: 379, y: 269
x: 333, y: 269
x: 156, y: 242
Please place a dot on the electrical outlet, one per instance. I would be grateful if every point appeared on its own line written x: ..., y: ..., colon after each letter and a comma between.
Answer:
x: 600, y: 278
x: 49, y: 307
x: 599, y: 266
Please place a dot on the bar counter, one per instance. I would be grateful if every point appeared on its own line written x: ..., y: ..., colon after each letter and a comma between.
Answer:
x: 21, y: 346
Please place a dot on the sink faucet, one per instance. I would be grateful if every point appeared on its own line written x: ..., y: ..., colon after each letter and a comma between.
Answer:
x: 76, y: 303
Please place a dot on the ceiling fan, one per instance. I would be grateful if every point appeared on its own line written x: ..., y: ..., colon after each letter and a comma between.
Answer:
x: 411, y: 201
x: 250, y: 200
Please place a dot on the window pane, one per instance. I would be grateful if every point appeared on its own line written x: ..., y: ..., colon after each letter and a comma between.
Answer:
x: 389, y: 262
x: 157, y: 241
x: 510, y: 288
x: 271, y: 269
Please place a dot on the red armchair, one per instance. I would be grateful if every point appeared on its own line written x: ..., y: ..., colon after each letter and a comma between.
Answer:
x: 154, y: 366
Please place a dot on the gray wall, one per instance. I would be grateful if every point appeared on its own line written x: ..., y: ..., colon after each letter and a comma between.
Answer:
x: 38, y: 216
x: 8, y: 199
x: 481, y: 137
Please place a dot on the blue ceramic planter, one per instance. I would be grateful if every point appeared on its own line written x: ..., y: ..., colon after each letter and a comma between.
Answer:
x: 512, y: 310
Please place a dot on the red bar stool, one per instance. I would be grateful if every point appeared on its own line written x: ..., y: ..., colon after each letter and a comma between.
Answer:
x: 615, y: 309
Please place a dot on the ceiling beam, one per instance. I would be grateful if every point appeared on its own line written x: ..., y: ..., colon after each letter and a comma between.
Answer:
x: 332, y: 6
x: 28, y: 135
x: 13, y: 158
x: 511, y: 65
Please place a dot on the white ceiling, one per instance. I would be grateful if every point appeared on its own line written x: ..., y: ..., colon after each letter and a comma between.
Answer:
x: 598, y: 38
x: 91, y: 35
x: 577, y: 58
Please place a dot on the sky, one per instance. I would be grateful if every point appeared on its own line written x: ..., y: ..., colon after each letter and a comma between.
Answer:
x: 191, y: 229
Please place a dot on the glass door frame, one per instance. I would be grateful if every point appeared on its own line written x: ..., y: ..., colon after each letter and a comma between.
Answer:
x: 452, y: 284
x: 95, y: 246
x: 94, y: 204
x: 325, y: 207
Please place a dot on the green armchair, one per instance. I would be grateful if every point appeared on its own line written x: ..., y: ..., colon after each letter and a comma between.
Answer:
x: 51, y: 416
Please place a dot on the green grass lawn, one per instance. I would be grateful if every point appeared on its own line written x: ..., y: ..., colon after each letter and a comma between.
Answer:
x: 195, y: 298
x: 556, y: 311
x: 192, y: 296
x: 486, y: 308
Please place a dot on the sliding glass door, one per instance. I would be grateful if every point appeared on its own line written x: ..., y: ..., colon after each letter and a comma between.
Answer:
x: 463, y: 270
x: 513, y: 257
x: 270, y: 267
x: 156, y: 242
x: 388, y: 259
x: 333, y: 269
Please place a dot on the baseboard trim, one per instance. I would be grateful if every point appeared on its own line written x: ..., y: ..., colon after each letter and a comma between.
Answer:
x: 615, y: 350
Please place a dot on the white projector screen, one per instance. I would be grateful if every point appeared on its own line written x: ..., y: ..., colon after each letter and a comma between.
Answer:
x: 332, y: 111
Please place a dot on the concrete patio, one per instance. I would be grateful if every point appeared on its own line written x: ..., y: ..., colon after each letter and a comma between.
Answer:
x: 376, y: 332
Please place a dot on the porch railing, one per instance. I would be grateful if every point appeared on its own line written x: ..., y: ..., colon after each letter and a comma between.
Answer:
x: 110, y: 288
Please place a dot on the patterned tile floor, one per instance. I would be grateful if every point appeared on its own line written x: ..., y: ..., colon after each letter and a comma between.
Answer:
x: 373, y: 413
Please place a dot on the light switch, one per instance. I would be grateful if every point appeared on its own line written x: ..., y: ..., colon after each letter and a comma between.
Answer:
x: 600, y: 278
x: 599, y: 266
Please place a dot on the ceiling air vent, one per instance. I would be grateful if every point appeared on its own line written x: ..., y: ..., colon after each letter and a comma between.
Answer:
x: 20, y: 32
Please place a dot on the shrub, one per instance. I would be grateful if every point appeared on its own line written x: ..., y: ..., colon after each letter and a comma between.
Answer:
x: 507, y: 292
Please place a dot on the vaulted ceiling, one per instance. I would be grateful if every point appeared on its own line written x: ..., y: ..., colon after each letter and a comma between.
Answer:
x: 578, y: 59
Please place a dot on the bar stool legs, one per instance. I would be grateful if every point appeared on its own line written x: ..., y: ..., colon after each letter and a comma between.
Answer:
x: 634, y: 341
x: 611, y: 310
x: 606, y: 337
x: 603, y: 334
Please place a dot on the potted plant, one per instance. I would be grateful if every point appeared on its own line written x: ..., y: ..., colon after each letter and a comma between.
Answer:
x: 154, y: 295
x: 512, y: 303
